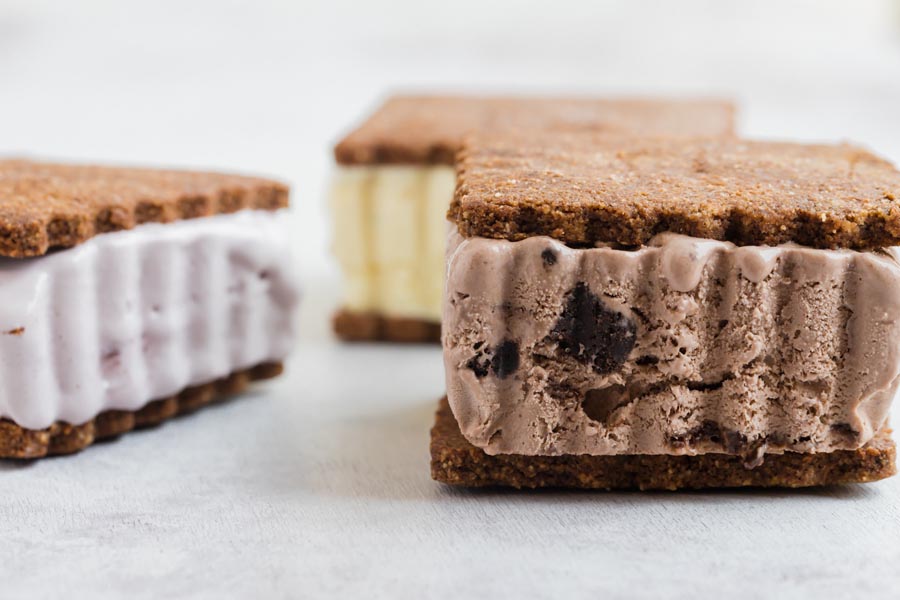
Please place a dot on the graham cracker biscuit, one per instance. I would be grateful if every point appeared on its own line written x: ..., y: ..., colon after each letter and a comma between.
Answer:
x: 351, y: 326
x: 457, y: 462
x: 45, y: 206
x: 430, y: 129
x: 586, y: 189
x: 63, y: 438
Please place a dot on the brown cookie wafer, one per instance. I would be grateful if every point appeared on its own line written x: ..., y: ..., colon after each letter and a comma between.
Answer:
x: 63, y: 438
x: 430, y: 129
x: 46, y: 205
x: 585, y: 190
x: 457, y: 462
x: 369, y: 327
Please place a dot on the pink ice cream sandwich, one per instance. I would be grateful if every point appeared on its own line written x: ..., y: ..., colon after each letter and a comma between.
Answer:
x: 128, y: 296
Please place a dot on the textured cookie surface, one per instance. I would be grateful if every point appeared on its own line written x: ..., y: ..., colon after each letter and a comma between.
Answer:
x: 370, y: 327
x: 586, y: 189
x: 430, y: 129
x: 63, y: 438
x: 455, y: 461
x: 45, y: 205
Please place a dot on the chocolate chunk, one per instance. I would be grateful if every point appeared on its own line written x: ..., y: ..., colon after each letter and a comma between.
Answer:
x: 708, y: 386
x: 732, y: 442
x: 592, y: 333
x: 708, y: 430
x: 506, y: 359
x: 479, y: 364
x: 549, y: 257
x: 503, y: 360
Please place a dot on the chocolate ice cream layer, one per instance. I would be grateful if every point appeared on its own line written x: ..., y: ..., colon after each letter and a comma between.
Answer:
x: 682, y: 346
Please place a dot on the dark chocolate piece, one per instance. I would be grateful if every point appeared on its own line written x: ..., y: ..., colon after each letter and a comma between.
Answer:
x: 590, y: 332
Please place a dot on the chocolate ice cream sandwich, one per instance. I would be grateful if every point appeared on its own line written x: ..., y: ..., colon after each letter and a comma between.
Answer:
x: 395, y: 180
x: 667, y: 313
x: 128, y: 296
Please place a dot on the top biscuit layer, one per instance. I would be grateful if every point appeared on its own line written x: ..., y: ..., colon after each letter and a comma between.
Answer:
x: 430, y: 129
x: 45, y: 206
x: 585, y: 190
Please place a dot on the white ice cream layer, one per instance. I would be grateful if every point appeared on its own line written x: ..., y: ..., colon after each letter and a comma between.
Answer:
x: 390, y: 228
x: 138, y: 315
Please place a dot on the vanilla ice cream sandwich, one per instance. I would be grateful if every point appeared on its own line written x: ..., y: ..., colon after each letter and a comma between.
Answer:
x: 128, y: 296
x: 666, y: 313
x: 395, y: 180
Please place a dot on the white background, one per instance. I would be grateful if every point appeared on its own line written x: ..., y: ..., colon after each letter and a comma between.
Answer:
x: 318, y: 483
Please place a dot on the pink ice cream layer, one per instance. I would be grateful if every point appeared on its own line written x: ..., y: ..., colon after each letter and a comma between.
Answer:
x: 133, y: 316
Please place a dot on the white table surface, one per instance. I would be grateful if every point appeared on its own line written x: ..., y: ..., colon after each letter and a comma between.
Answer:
x: 317, y: 484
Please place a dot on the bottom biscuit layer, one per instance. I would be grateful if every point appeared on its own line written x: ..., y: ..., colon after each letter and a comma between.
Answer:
x: 62, y: 438
x: 457, y: 462
x: 370, y: 327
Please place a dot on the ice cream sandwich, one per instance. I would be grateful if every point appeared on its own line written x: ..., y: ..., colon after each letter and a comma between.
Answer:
x: 669, y: 313
x: 128, y: 296
x: 395, y: 180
